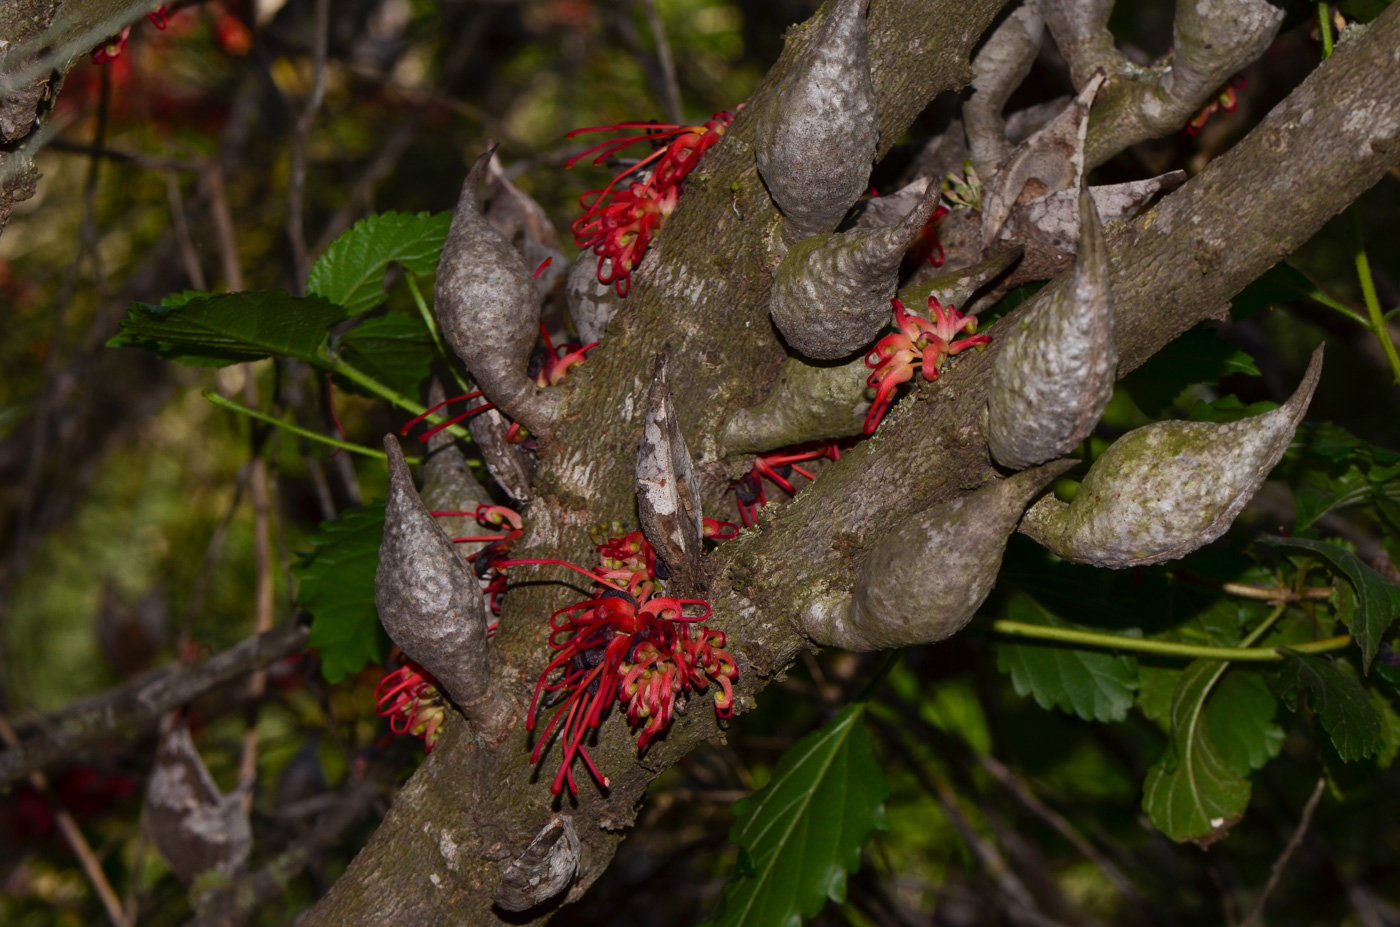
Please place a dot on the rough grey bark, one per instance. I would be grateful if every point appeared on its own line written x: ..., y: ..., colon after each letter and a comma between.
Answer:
x: 472, y: 809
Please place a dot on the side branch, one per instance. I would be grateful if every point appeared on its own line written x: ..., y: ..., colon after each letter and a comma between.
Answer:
x: 137, y: 706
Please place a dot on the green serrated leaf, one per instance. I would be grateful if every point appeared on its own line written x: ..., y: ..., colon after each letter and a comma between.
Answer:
x: 1377, y: 600
x: 351, y: 271
x: 1339, y: 701
x: 337, y: 588
x: 1199, y: 356
x: 395, y: 349
x: 1240, y: 721
x: 1390, y: 729
x: 1156, y: 686
x: 1094, y: 684
x: 1192, y: 793
x: 231, y: 328
x: 1279, y: 284
x: 804, y: 830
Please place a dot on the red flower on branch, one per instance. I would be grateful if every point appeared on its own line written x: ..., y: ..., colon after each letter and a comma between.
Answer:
x: 413, y: 702
x: 619, y: 222
x: 638, y: 649
x: 918, y: 345
x: 776, y: 467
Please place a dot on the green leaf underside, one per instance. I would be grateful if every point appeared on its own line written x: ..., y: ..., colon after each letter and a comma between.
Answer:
x: 230, y: 328
x: 351, y: 271
x: 1377, y: 600
x: 1096, y: 685
x: 1192, y: 793
x: 1339, y: 701
x: 395, y: 349
x: 1199, y: 356
x: 337, y: 588
x: 803, y: 832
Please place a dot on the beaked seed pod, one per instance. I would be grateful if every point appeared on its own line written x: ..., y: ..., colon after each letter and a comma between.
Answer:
x: 431, y: 605
x: 524, y: 223
x: 831, y: 293
x: 926, y: 579
x: 591, y: 304
x: 544, y: 870
x: 668, y: 500
x: 489, y: 310
x: 1049, y: 161
x: 194, y: 826
x: 816, y: 139
x: 1161, y: 491
x: 511, y: 465
x: 1054, y: 373
x: 448, y: 483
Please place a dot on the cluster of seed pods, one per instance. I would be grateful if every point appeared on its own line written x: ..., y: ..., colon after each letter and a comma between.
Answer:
x: 1020, y: 210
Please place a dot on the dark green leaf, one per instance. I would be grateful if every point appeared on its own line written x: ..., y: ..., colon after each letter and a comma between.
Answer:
x: 1096, y: 685
x: 1156, y: 686
x: 337, y: 588
x: 1338, y: 700
x: 215, y: 331
x: 351, y: 271
x: 1317, y: 493
x: 1377, y: 600
x: 1192, y: 793
x: 1364, y: 10
x: 1390, y: 729
x: 1240, y: 721
x: 1199, y: 356
x: 804, y: 830
x: 1279, y: 284
x: 395, y: 349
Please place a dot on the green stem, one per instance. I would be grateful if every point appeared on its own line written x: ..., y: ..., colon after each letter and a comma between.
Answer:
x: 1322, y: 299
x: 286, y: 426
x: 232, y: 406
x: 1378, y: 324
x: 337, y: 366
x: 1324, y: 26
x: 1167, y: 648
x: 433, y: 330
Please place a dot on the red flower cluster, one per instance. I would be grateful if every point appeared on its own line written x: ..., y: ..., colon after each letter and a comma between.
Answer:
x: 1225, y: 100
x: 776, y: 467
x: 626, y: 644
x: 619, y: 221
x: 487, y: 561
x: 919, y: 344
x: 412, y: 701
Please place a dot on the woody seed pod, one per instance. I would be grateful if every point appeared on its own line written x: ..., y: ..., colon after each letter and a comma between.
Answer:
x: 193, y: 825
x: 815, y: 141
x: 668, y: 500
x: 489, y: 310
x: 831, y: 294
x: 926, y: 579
x: 1161, y: 491
x: 431, y: 604
x: 1054, y: 373
x: 544, y: 870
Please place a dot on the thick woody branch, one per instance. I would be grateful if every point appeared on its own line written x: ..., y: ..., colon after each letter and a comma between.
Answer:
x: 998, y: 69
x: 127, y: 712
x: 1212, y: 40
x: 1179, y: 264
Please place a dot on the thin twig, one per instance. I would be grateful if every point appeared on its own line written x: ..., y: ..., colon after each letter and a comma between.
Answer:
x: 296, y: 184
x: 124, y: 713
x: 180, y: 222
x: 73, y: 836
x: 1293, y: 843
x: 670, y: 90
x: 135, y: 158
x: 1274, y: 594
